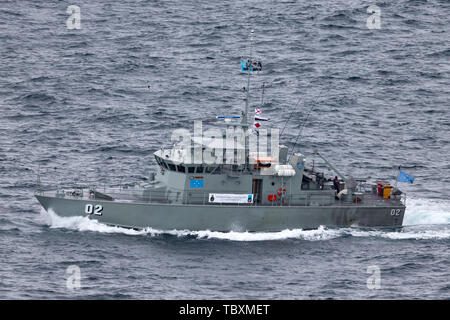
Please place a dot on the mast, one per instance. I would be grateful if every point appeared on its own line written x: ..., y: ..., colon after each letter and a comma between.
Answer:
x: 247, y: 98
x: 249, y: 66
x: 247, y: 102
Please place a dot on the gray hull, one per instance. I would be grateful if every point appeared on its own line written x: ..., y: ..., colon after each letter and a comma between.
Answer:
x: 227, y: 217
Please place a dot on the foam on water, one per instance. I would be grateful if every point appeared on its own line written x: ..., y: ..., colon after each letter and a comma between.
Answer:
x: 419, y: 212
x: 81, y: 223
x: 404, y: 234
x: 427, y: 211
x: 312, y: 235
x: 85, y: 224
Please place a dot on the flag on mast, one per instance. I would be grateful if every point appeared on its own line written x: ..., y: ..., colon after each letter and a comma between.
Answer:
x: 261, y: 118
x: 404, y: 177
x: 258, y: 118
x: 258, y: 115
x: 250, y: 65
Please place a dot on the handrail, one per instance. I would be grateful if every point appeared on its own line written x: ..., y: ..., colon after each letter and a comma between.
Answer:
x: 198, y: 197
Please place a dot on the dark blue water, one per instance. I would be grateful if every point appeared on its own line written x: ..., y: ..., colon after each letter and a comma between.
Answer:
x: 77, y: 103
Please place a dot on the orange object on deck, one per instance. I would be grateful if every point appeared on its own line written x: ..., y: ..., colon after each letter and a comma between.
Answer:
x: 387, y: 191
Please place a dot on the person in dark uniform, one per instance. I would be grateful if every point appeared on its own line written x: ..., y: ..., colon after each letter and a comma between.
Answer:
x: 336, y: 184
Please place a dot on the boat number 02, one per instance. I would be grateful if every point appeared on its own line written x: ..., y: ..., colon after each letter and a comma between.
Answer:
x: 395, y: 212
x: 91, y: 209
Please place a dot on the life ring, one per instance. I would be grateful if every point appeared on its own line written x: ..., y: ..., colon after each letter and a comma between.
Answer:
x: 281, y: 192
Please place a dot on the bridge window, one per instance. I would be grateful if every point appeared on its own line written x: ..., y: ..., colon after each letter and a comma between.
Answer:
x: 191, y: 169
x: 181, y: 169
x: 172, y: 167
x: 199, y: 169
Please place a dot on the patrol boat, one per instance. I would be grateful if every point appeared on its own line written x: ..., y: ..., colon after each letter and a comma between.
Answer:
x: 231, y: 183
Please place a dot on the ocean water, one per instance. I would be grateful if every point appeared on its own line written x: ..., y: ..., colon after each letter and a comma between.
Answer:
x: 91, y: 105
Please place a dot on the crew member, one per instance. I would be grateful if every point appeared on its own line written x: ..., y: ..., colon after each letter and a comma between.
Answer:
x: 336, y: 184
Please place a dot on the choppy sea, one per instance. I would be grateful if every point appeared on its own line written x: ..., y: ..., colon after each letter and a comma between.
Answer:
x: 91, y: 105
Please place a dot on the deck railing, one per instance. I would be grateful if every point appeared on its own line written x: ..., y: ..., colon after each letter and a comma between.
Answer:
x: 202, y: 198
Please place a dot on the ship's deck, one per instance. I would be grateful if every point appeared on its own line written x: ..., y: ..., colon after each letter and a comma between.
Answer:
x: 369, y: 199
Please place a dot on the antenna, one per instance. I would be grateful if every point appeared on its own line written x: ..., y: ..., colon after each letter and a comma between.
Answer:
x: 300, y: 131
x: 247, y: 98
x: 38, y: 179
x: 290, y: 115
x: 304, y: 122
x: 262, y: 94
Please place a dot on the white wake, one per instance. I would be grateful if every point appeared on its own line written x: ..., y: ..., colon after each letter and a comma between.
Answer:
x: 427, y: 211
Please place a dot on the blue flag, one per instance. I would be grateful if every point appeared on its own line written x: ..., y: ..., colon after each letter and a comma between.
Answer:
x: 404, y: 177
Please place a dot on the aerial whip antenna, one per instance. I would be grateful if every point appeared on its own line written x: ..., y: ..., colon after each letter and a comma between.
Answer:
x: 303, y: 124
x: 262, y: 94
x: 290, y: 115
x: 247, y: 98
